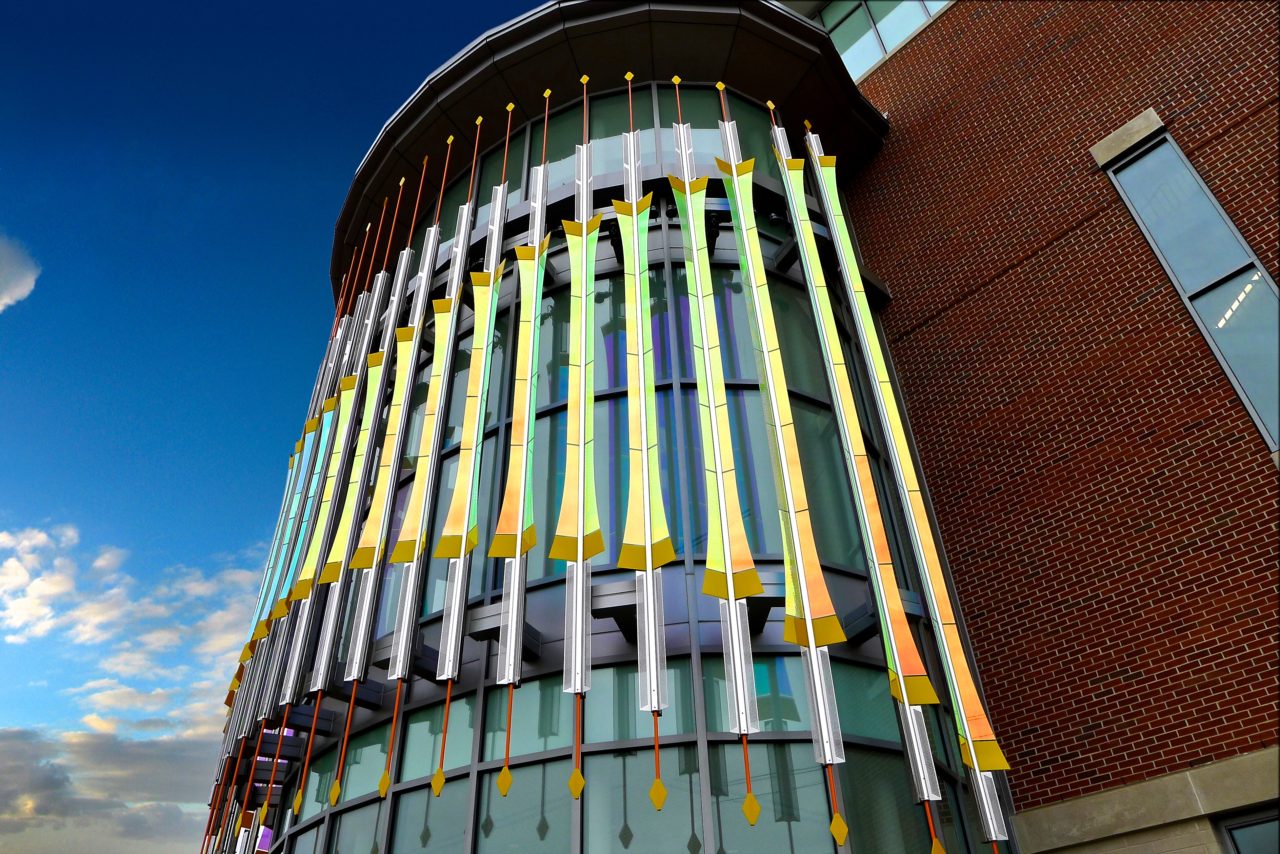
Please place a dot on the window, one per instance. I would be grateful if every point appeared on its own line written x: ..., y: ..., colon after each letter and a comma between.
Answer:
x: 865, y: 33
x: 1252, y: 834
x: 1231, y: 297
x: 534, y: 816
x: 616, y: 815
x: 426, y: 824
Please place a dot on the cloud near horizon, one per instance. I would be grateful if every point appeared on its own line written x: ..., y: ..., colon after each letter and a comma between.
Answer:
x: 18, y: 272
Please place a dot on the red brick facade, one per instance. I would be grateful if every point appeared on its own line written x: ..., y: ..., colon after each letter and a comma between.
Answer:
x: 1108, y: 508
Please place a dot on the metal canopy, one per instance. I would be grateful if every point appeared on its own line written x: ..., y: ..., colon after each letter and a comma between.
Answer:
x: 760, y: 49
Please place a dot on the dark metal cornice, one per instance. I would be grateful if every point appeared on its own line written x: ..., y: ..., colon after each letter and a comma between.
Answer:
x: 762, y: 49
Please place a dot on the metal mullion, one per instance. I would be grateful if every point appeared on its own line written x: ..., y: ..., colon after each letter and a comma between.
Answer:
x: 1213, y: 283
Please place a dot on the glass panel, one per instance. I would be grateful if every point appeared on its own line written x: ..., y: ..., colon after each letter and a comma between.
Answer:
x: 553, y: 347
x: 534, y: 816
x: 880, y: 804
x: 612, y: 477
x: 609, y: 120
x: 417, y: 412
x: 455, y: 195
x: 548, y: 489
x: 753, y: 136
x: 780, y: 692
x: 430, y: 825
x: 456, y: 403
x: 421, y: 751
x: 565, y: 132
x: 697, y: 535
x: 499, y: 363
x: 826, y: 480
x: 737, y: 331
x: 366, y: 760
x: 315, y: 797
x: 541, y: 720
x: 792, y: 794
x: 700, y: 108
x: 862, y: 696
x: 798, y: 338
x: 896, y: 20
x: 305, y: 843
x: 356, y: 832
x: 658, y: 305
x: 1243, y: 317
x: 948, y: 820
x: 1260, y: 838
x: 1183, y: 220
x: 936, y: 6
x: 835, y: 11
x: 618, y: 815
x: 680, y: 292
x: 857, y: 43
x: 610, y: 333
x: 752, y: 455
x: 613, y: 710
x: 437, y: 568
x: 669, y: 466
x: 491, y: 173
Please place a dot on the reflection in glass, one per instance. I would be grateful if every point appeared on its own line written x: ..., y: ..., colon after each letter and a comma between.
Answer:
x: 857, y: 43
x: 737, y: 332
x: 610, y: 118
x: 613, y: 712
x: 798, y: 338
x: 553, y: 347
x: 866, y: 708
x: 1183, y: 220
x: 366, y: 759
x: 780, y: 692
x: 1243, y: 318
x: 421, y: 751
x: 896, y: 20
x: 315, y: 797
x: 826, y: 480
x: 617, y: 815
x: 1262, y: 837
x: 354, y: 832
x: 430, y: 825
x: 305, y: 843
x: 542, y: 720
x: 757, y: 487
x: 437, y: 569
x: 879, y: 803
x: 533, y: 817
x: 792, y: 795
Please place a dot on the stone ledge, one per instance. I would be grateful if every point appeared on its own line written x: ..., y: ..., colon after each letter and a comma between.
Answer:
x: 1228, y: 784
x: 1126, y: 137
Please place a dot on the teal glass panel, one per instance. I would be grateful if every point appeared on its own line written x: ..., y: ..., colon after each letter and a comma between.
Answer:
x: 356, y: 832
x: 659, y: 306
x: 697, y: 535
x: 455, y: 195
x: 792, y: 791
x: 548, y: 491
x: 565, y: 132
x: 610, y: 333
x: 1183, y: 220
x: 947, y: 819
x: 534, y: 816
x: 610, y: 119
x: 830, y: 494
x: 553, y: 347
x: 753, y: 136
x: 305, y: 843
x: 422, y: 729
x: 315, y: 797
x: 612, y: 710
x: 541, y: 720
x: 672, y: 476
x: 1262, y: 837
x: 780, y: 694
x: 417, y: 413
x: 680, y: 298
x: 455, y: 404
x: 612, y: 474
x: 429, y: 825
x: 866, y: 707
x: 617, y: 814
x: 1242, y: 316
x: 499, y: 361
x: 753, y: 458
x: 896, y: 20
x: 700, y: 108
x: 492, y: 467
x: 437, y: 568
x: 491, y: 172
x: 835, y: 12
x: 857, y: 43
x: 366, y: 760
x: 798, y: 338
x: 737, y: 329
x: 879, y: 803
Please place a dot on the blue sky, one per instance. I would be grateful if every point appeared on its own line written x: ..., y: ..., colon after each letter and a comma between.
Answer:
x: 169, y: 179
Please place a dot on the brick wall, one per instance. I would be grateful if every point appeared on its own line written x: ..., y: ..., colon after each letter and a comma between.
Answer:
x: 1108, y: 508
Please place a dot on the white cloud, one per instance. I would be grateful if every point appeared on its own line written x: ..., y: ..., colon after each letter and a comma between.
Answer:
x: 30, y: 613
x: 18, y: 272
x: 97, y: 723
x: 111, y: 695
x: 110, y: 558
x: 131, y: 662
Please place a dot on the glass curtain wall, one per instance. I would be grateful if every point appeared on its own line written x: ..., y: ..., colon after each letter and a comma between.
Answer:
x: 702, y: 762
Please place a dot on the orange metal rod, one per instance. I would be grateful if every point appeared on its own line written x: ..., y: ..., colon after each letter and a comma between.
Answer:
x: 391, y: 235
x: 546, y: 114
x: 506, y: 144
x: 657, y: 756
x: 679, y: 111
x: 275, y: 762
x: 351, y: 293
x: 346, y: 733
x: 475, y: 153
x: 229, y: 792
x: 511, y: 701
x: 306, y: 762
x: 746, y: 762
x: 443, y: 177
x: 245, y: 819
x: 631, y: 113
x: 444, y: 728
x: 413, y: 221
x: 395, y: 718
x: 368, y: 274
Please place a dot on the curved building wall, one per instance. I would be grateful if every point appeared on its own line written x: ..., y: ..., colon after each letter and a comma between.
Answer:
x: 325, y: 754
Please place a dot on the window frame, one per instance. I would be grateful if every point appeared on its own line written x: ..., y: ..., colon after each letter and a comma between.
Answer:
x: 1187, y: 293
x: 1223, y: 826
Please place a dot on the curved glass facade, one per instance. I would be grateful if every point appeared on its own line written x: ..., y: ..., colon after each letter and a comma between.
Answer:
x: 430, y: 762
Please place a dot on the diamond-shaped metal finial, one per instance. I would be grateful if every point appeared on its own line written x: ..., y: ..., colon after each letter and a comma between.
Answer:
x: 425, y: 836
x: 657, y: 794
x: 504, y: 781
x: 839, y: 830
x: 626, y: 836
x: 297, y: 802
x: 542, y: 827
x: 583, y: 79
x: 437, y: 782
x: 486, y: 826
x: 676, y: 80
x: 719, y: 86
x: 576, y: 783
x: 546, y: 93
x: 628, y: 75
x: 384, y: 783
x: 937, y: 847
x: 262, y: 814
x: 694, y: 845
x: 770, y: 104
x: 335, y: 792
x: 751, y: 808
